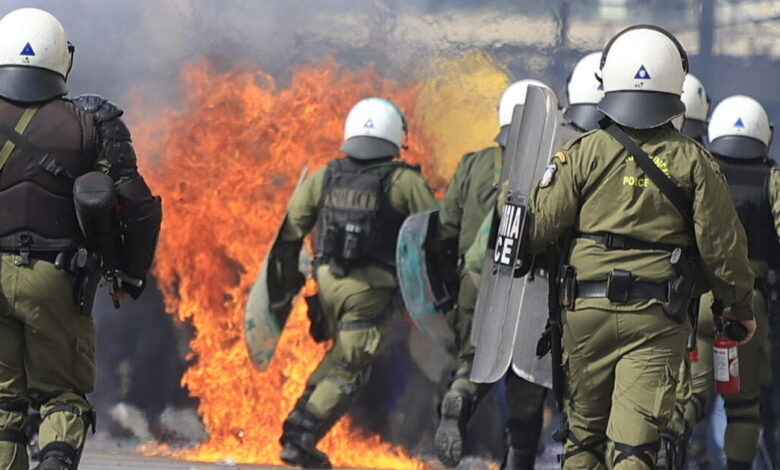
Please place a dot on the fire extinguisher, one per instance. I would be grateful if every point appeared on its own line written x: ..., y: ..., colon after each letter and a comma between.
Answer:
x: 726, y: 360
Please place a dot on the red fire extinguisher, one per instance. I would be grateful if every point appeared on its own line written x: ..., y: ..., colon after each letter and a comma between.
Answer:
x: 725, y: 365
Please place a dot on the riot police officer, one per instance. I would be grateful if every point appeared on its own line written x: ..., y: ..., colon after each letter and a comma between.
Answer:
x: 694, y: 385
x: 584, y: 92
x: 470, y: 196
x: 524, y: 398
x: 47, y: 351
x: 627, y: 280
x: 358, y: 204
x: 740, y: 134
x: 697, y: 107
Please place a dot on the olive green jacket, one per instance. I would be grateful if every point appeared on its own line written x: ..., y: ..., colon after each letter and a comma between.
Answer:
x: 409, y: 194
x: 596, y: 186
x: 470, y: 196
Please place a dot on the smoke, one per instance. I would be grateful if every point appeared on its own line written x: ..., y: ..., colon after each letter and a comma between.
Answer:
x: 132, y: 52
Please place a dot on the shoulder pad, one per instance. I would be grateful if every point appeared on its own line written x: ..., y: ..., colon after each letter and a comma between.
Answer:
x: 89, y: 103
x: 103, y: 109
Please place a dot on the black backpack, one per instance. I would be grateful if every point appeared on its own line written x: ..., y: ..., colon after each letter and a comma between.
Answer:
x: 356, y: 220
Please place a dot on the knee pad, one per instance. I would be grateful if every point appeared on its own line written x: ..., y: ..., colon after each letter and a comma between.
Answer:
x: 644, y: 452
x: 593, y: 446
x: 89, y: 417
x: 19, y: 408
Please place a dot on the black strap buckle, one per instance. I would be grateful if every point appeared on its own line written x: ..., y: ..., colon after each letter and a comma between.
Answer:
x: 25, y: 239
x: 614, y: 241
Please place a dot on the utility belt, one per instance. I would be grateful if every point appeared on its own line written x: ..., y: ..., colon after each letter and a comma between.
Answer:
x: 79, y: 262
x: 620, y: 286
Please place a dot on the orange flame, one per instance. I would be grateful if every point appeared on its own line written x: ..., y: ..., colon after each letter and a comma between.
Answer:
x: 225, y: 165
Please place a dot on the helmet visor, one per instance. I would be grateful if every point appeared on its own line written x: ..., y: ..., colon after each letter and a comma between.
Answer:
x: 30, y: 84
x: 363, y: 147
x: 738, y: 146
x: 584, y: 116
x: 641, y: 109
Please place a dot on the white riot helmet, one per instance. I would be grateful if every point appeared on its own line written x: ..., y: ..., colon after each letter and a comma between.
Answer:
x: 697, y: 107
x: 584, y: 92
x: 35, y: 56
x: 375, y: 128
x: 513, y: 96
x: 740, y: 128
x: 643, y: 68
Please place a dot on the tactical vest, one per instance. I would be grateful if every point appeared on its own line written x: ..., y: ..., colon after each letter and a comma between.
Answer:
x: 36, y: 207
x: 356, y: 221
x: 748, y: 181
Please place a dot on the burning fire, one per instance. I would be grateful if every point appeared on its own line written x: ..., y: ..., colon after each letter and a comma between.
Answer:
x: 225, y: 165
x: 228, y: 162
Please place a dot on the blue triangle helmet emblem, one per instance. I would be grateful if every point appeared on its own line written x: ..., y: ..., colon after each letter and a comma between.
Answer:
x: 28, y: 50
x: 369, y: 124
x: 642, y: 74
x: 600, y: 87
x: 739, y: 123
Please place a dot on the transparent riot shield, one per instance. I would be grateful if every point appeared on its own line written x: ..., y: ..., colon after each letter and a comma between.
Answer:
x: 502, y: 287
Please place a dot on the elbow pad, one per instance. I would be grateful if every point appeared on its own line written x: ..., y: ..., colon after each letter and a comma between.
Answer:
x: 140, y: 216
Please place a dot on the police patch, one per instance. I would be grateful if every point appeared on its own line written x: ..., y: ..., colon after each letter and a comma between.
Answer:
x: 549, y: 174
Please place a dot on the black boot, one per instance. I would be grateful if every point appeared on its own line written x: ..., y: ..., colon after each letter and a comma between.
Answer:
x: 738, y: 465
x: 58, y: 456
x: 299, y: 439
x: 523, y: 440
x: 456, y: 408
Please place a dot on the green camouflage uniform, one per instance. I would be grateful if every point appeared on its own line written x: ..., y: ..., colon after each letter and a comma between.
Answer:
x: 357, y: 306
x: 622, y: 359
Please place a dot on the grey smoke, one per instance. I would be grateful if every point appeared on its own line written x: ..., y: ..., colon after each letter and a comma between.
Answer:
x: 126, y: 46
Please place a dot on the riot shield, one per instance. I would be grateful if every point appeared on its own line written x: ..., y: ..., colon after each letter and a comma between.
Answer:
x: 269, y: 305
x: 502, y: 286
x: 534, y: 313
x: 424, y: 288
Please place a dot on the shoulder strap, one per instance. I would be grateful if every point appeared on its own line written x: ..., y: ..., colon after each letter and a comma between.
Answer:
x: 42, y: 158
x: 20, y: 127
x: 669, y: 189
x: 497, y: 164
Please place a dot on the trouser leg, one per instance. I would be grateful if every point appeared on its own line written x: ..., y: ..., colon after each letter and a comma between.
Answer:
x: 13, y: 405
x: 59, y: 358
x: 589, y: 359
x: 462, y: 394
x: 359, y: 337
x: 645, y: 384
x: 460, y: 320
x: 742, y: 409
x: 526, y: 413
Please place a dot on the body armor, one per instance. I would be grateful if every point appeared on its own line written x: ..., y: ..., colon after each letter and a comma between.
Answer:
x: 748, y: 181
x: 36, y: 206
x: 357, y: 222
